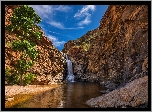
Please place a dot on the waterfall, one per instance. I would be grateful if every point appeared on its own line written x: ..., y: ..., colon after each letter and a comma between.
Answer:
x: 70, y: 76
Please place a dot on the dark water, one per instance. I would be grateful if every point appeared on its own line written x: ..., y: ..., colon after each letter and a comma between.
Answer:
x: 70, y: 95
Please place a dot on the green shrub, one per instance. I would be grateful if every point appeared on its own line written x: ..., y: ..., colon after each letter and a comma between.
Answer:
x: 24, y: 24
x: 86, y: 46
x: 28, y: 78
x: 11, y: 77
x: 23, y: 21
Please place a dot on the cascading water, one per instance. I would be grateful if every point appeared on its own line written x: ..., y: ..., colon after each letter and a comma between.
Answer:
x: 70, y: 76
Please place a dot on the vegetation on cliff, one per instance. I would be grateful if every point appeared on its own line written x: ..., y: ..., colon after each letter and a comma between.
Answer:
x: 22, y: 24
x: 23, y: 42
x: 114, y: 54
x: 116, y: 50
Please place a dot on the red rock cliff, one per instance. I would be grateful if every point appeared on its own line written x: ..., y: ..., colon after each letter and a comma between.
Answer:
x: 116, y: 51
x: 49, y: 65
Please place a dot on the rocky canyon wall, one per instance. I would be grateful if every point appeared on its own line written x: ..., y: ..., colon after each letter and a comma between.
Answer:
x: 116, y: 51
x: 49, y: 65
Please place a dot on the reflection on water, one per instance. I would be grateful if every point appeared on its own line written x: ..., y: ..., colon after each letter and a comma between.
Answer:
x: 70, y: 95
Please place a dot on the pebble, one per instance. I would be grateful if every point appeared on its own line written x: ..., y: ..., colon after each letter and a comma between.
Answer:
x: 9, y: 10
x: 9, y: 99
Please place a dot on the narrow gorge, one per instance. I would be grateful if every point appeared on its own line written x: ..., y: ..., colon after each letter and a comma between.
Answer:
x: 114, y: 54
x: 105, y: 68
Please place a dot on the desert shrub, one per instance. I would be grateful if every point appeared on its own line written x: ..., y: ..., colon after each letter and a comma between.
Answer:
x: 24, y: 23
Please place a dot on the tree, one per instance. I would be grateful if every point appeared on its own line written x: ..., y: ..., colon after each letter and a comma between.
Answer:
x: 24, y: 24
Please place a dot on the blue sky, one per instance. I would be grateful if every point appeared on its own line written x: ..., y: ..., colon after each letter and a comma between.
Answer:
x: 62, y: 23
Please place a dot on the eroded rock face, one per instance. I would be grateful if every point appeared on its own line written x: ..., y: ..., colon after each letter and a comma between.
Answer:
x: 134, y: 94
x: 49, y: 64
x: 116, y: 51
x: 116, y: 55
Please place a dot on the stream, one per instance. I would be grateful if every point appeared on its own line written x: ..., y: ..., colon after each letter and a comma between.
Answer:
x: 68, y: 95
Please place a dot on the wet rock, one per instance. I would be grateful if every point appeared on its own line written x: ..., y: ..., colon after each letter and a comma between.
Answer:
x: 110, y: 85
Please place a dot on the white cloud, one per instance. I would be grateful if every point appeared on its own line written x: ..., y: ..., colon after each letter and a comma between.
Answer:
x: 62, y: 8
x: 69, y: 36
x: 84, y: 12
x: 86, y: 21
x: 47, y: 11
x: 53, y: 32
x: 44, y: 11
x: 55, y: 41
x: 59, y: 43
x: 52, y: 38
x: 61, y: 26
x: 56, y: 24
x: 74, y: 28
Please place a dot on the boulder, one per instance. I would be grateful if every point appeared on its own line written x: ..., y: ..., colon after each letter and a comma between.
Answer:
x: 134, y: 94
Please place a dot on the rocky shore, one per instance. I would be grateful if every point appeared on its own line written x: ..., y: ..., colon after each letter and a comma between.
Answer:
x: 115, y: 55
x: 134, y: 94
x: 17, y: 94
x: 29, y: 89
